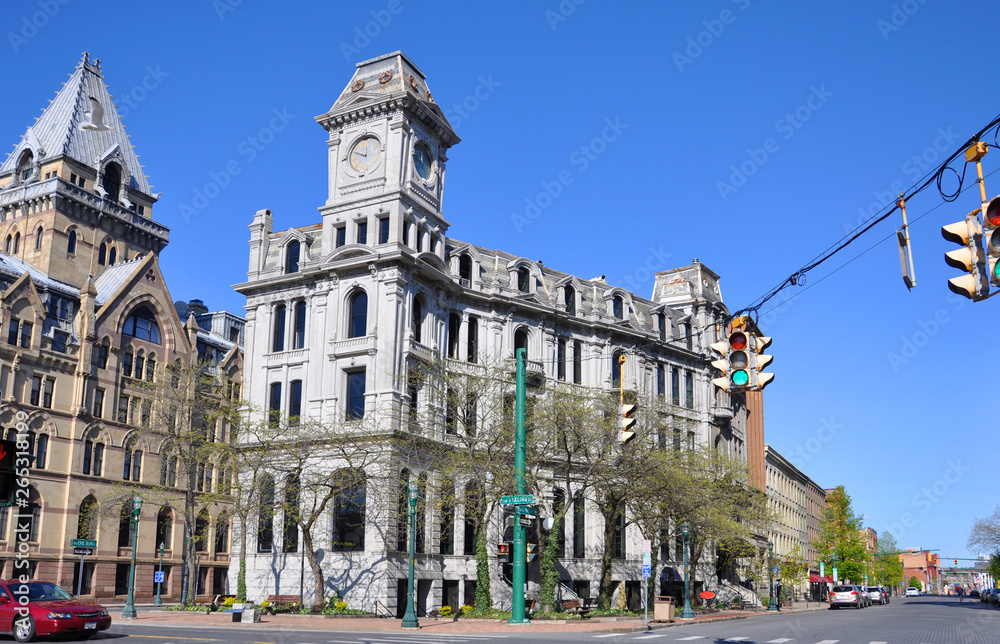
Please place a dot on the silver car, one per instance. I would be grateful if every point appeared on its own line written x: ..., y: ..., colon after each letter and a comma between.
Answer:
x: 875, y: 594
x: 847, y: 596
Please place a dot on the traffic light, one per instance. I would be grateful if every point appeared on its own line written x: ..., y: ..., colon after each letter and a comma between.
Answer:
x: 625, y: 423
x: 991, y: 238
x: 8, y: 473
x: 759, y: 379
x: 970, y: 258
x: 735, y: 362
x: 531, y: 547
x: 956, y: 563
x: 503, y: 552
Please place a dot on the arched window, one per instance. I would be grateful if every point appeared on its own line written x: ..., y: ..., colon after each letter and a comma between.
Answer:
x: 164, y: 528
x: 265, y: 515
x: 140, y: 363
x: 142, y: 324
x: 523, y: 275
x: 24, y: 168
x: 132, y: 464
x: 86, y: 527
x: 126, y: 526
x: 349, y: 512
x: 150, y: 367
x: 222, y: 534
x: 38, y: 238
x: 127, y: 362
x: 112, y: 255
x: 292, y: 258
x: 8, y: 245
x: 358, y: 324
x: 569, y: 298
x: 112, y: 183
x: 616, y: 368
x: 201, y: 531
x: 93, y: 455
x: 454, y: 326
x: 521, y: 341
x: 446, y: 497
x: 102, y: 255
x: 278, y: 339
x: 617, y: 307
x: 474, y: 502
x: 418, y: 318
x: 71, y: 242
x: 299, y: 331
x: 465, y: 270
x: 290, y: 540
x: 17, y: 243
x: 686, y: 334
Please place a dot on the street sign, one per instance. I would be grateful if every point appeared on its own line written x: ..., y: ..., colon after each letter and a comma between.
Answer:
x: 527, y: 510
x: 646, y: 572
x: 82, y: 551
x: 646, y: 559
x: 647, y: 546
x: 525, y: 522
x: 158, y: 577
x: 83, y: 543
x: 822, y: 569
x: 518, y: 499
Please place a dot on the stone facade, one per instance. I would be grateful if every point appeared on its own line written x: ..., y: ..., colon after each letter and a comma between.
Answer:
x: 86, y: 319
x: 338, y: 311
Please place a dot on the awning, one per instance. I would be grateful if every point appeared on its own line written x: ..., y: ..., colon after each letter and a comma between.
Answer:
x: 817, y: 578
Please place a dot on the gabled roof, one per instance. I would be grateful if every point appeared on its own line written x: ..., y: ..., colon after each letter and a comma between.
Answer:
x: 58, y: 130
x: 109, y: 281
x: 15, y: 268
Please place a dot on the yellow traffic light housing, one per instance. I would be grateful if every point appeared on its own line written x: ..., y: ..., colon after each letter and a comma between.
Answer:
x: 742, y: 359
x: 970, y: 258
x: 625, y: 423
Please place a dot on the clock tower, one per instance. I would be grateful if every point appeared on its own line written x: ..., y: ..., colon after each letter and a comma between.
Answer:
x: 388, y: 148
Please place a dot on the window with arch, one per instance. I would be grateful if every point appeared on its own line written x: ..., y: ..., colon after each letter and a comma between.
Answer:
x: 38, y: 238
x: 265, y: 514
x: 140, y: 363
x: 86, y: 526
x: 661, y: 324
x: 292, y: 257
x: 403, y: 512
x: 164, y: 527
x: 521, y: 340
x: 150, y: 366
x: 24, y: 168
x: 454, y: 327
x: 102, y: 255
x: 417, y: 321
x: 474, y: 502
x: 446, y: 497
x: 618, y: 307
x: 201, y: 524
x: 558, y: 503
x: 523, y: 279
x: 100, y: 355
x: 278, y: 336
x: 17, y: 243
x: 93, y: 455
x: 126, y: 526
x: 222, y: 534
x: 349, y: 512
x: 141, y: 324
x: 112, y: 255
x: 561, y: 359
x: 299, y: 329
x: 358, y: 322
x: 294, y: 402
x: 290, y: 538
x: 71, y: 242
x: 274, y: 405
x: 112, y: 182
x: 132, y: 463
x: 472, y: 343
x: 465, y: 270
x: 8, y: 244
x: 569, y: 299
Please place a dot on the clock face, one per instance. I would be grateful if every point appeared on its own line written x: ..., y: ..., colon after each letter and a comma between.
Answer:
x: 365, y: 154
x: 422, y: 161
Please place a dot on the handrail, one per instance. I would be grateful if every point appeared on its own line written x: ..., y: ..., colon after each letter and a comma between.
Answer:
x: 387, y: 614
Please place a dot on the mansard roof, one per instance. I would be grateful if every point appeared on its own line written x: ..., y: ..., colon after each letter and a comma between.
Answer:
x: 59, y: 130
x: 14, y: 268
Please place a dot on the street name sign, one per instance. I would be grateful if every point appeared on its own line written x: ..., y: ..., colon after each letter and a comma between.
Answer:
x: 518, y: 499
x: 83, y: 543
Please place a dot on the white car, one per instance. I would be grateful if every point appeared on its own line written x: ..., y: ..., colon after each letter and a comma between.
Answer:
x: 875, y: 594
x: 912, y: 592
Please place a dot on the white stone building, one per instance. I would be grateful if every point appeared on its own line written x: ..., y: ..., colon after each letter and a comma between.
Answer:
x: 337, y: 310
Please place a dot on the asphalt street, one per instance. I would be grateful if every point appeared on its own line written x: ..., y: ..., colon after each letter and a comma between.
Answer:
x: 923, y: 620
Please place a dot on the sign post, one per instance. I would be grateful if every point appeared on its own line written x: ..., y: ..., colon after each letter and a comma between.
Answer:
x: 82, y: 547
x: 520, y: 553
x: 646, y: 574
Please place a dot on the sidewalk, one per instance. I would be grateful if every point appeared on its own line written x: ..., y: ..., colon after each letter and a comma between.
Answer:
x: 283, y: 622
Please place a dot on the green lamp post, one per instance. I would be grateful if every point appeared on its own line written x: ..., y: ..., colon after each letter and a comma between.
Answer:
x: 771, y: 604
x: 687, y: 613
x: 410, y: 616
x: 129, y: 611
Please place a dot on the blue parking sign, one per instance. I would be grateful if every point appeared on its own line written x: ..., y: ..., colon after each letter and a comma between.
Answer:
x: 646, y: 572
x: 158, y: 577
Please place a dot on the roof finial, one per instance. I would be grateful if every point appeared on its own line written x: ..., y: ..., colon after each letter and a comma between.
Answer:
x: 86, y: 57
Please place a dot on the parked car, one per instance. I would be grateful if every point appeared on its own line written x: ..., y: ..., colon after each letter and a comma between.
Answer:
x: 846, y: 596
x: 51, y: 611
x: 993, y: 596
x: 886, y: 594
x: 875, y: 594
x: 973, y: 593
x: 912, y: 592
x: 864, y: 595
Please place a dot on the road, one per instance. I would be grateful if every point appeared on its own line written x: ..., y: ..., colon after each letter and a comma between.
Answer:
x: 918, y: 620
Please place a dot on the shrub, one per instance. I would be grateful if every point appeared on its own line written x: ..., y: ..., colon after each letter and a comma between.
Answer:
x: 466, y: 608
x: 229, y: 601
x: 445, y: 611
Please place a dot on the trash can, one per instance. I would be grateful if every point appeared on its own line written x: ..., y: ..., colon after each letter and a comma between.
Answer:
x: 663, y: 608
x: 237, y: 616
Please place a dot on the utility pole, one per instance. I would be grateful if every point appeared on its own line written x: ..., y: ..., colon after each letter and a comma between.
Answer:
x: 520, y: 438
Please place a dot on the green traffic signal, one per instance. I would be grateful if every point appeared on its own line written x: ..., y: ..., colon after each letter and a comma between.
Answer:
x: 740, y: 378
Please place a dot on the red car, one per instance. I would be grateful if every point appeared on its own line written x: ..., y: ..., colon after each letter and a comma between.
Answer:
x: 51, y: 611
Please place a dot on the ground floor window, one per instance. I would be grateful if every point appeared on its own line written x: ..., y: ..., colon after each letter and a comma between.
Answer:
x: 87, y: 587
x: 121, y: 579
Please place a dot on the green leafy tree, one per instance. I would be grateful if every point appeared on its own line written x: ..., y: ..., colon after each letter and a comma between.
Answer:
x: 888, y: 566
x: 841, y: 543
x: 914, y: 582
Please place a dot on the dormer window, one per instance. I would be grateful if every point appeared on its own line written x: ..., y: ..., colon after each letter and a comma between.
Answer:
x: 24, y: 168
x: 523, y: 277
x: 112, y: 182
x: 661, y: 323
x: 292, y: 258
x: 465, y: 270
x: 617, y: 307
x: 569, y: 298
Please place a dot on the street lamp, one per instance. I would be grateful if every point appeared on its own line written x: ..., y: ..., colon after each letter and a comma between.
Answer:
x: 159, y: 584
x: 771, y: 605
x: 129, y: 611
x: 687, y: 613
x: 410, y: 616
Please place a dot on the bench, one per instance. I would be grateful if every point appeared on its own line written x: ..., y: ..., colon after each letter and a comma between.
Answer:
x: 574, y: 606
x: 279, y: 602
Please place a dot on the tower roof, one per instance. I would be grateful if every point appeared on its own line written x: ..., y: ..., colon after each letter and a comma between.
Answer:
x: 71, y: 125
x: 387, y: 74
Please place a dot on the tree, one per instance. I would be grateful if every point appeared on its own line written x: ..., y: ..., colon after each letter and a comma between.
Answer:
x: 841, y: 543
x: 793, y: 567
x: 985, y: 533
x: 888, y: 566
x: 914, y: 582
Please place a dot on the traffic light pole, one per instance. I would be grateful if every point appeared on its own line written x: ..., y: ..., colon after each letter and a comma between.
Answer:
x: 520, y: 554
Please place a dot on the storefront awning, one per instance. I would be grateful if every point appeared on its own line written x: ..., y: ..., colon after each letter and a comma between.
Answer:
x: 817, y: 578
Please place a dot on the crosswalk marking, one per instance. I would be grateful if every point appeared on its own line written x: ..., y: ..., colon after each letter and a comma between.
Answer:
x: 780, y: 640
x: 873, y: 642
x: 736, y: 639
x: 828, y: 642
x: 693, y: 637
x: 650, y: 637
x: 608, y: 635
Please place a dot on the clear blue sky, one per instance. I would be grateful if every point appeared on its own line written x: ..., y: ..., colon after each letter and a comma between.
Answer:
x: 826, y: 103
